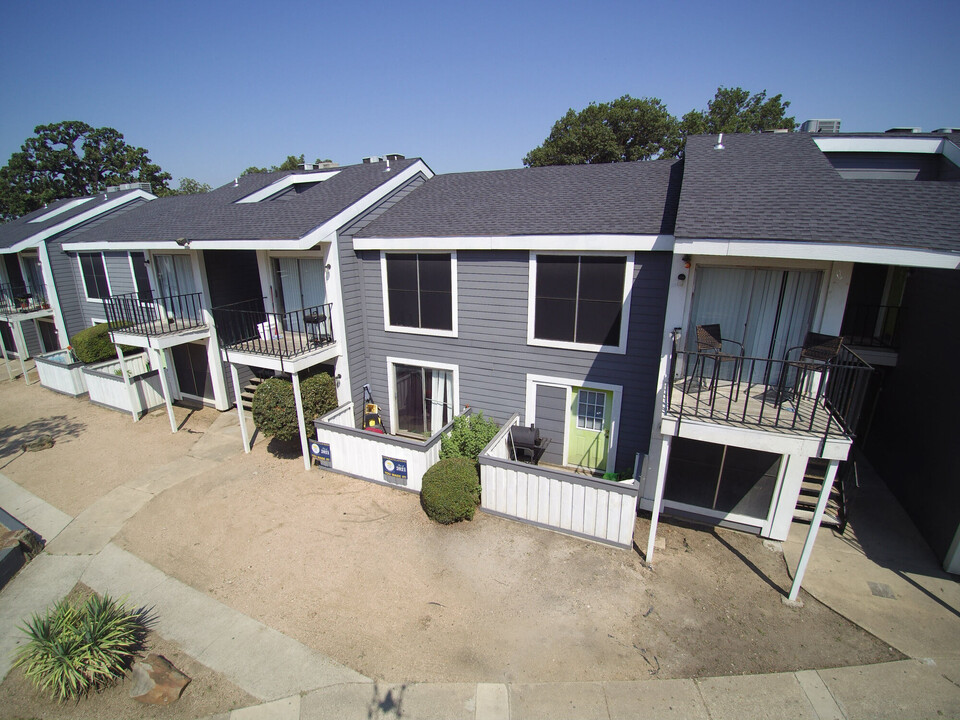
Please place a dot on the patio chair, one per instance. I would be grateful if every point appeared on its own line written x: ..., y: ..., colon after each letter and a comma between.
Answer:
x: 817, y: 353
x: 710, y: 347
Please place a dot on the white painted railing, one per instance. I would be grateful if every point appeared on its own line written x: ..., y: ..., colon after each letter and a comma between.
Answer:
x: 106, y: 386
x: 386, y: 459
x: 603, y: 510
x: 60, y: 373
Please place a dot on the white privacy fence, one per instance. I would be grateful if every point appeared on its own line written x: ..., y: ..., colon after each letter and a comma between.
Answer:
x: 581, y: 505
x: 106, y: 386
x: 387, y: 459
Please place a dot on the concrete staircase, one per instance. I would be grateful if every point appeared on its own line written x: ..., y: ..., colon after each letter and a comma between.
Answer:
x: 246, y: 395
x: 833, y: 515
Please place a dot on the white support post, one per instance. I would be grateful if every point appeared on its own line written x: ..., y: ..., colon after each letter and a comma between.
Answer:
x: 21, y: 343
x: 6, y: 358
x: 126, y: 381
x: 658, y: 494
x: 303, y: 430
x: 243, y: 420
x: 165, y: 387
x: 814, y: 528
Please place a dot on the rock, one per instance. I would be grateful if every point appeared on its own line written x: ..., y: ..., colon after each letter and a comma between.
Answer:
x: 43, y: 442
x: 156, y: 681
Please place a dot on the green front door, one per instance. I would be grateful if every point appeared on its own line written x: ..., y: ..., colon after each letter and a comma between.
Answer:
x: 589, y: 425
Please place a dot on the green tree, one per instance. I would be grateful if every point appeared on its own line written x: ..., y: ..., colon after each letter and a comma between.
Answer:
x: 291, y: 163
x: 735, y: 110
x: 620, y: 131
x: 189, y: 186
x: 72, y: 159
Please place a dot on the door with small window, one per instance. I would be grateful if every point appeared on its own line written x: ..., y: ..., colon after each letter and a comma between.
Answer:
x: 590, y: 415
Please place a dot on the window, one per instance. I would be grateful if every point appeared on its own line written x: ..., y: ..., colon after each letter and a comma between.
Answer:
x: 94, y: 274
x: 580, y: 300
x: 590, y: 409
x: 423, y: 398
x: 420, y: 292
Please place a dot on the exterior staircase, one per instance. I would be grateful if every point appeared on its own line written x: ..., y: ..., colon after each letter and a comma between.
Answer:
x: 246, y: 395
x: 834, y: 515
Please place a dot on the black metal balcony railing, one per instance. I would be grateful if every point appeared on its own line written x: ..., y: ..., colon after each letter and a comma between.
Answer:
x: 245, y: 326
x: 22, y: 299
x: 872, y: 325
x: 769, y: 393
x: 154, y: 315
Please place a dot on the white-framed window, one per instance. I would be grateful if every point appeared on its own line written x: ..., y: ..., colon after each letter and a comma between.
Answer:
x: 93, y: 271
x: 141, y: 278
x: 420, y: 292
x: 424, y: 396
x: 580, y: 302
x: 591, y: 406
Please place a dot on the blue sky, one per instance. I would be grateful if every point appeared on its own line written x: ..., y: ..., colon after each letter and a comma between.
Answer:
x: 212, y: 88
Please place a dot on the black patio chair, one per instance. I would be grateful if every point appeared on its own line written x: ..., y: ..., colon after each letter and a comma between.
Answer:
x: 710, y: 347
x: 817, y: 353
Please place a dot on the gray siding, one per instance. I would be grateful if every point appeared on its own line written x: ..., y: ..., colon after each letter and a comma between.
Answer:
x: 492, y: 351
x: 552, y: 420
x: 78, y: 312
x: 352, y: 282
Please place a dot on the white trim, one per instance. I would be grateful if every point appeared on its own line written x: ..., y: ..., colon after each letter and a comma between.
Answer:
x: 716, y: 514
x: 820, y: 251
x: 880, y: 144
x: 433, y: 332
x: 586, y: 242
x: 332, y: 258
x: 530, y: 405
x: 284, y: 183
x: 83, y: 280
x: 33, y: 240
x: 53, y: 296
x: 392, y: 362
x: 628, y: 280
x: 60, y: 210
x: 323, y: 233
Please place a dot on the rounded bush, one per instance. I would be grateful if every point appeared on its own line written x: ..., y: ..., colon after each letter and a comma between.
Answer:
x: 93, y: 344
x: 275, y: 409
x: 451, y: 490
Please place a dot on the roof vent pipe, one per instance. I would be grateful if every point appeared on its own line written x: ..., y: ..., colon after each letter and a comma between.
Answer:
x: 236, y: 182
x: 719, y: 145
x: 388, y: 164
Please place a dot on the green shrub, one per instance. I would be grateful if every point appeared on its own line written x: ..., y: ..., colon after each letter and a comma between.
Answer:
x: 93, y: 344
x: 451, y: 490
x: 275, y: 410
x: 75, y: 648
x: 469, y: 436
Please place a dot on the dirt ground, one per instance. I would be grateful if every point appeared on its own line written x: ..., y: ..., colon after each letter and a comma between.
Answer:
x: 208, y: 692
x: 357, y: 571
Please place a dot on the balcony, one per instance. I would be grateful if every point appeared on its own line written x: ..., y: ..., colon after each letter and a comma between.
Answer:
x: 769, y: 395
x: 303, y: 336
x: 155, y: 316
x: 22, y: 300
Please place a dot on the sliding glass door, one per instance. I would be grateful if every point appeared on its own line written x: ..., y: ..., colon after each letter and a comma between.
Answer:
x: 424, y: 399
x: 300, y: 286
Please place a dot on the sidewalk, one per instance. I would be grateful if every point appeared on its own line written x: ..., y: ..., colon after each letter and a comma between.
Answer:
x: 297, y: 683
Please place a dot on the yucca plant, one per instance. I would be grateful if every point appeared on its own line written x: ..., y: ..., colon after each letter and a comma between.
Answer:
x: 76, y: 648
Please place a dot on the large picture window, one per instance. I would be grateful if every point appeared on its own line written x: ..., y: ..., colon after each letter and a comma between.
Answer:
x: 420, y: 292
x: 94, y: 274
x: 580, y: 299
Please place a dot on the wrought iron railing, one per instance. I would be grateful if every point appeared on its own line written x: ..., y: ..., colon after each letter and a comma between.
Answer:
x: 246, y: 326
x: 22, y: 299
x: 872, y: 325
x: 153, y: 315
x: 770, y: 393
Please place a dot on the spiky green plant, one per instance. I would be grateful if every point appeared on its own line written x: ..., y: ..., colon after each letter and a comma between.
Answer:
x: 76, y: 648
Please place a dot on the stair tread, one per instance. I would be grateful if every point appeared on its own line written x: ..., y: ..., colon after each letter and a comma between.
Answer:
x: 807, y: 516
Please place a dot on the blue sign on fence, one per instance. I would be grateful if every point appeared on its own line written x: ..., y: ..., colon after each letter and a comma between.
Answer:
x: 394, y: 470
x: 321, y: 453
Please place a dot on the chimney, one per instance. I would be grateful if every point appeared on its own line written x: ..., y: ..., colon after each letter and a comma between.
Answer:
x: 393, y: 157
x: 371, y: 159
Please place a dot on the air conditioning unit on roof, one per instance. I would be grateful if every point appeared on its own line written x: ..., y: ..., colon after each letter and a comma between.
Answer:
x: 821, y: 126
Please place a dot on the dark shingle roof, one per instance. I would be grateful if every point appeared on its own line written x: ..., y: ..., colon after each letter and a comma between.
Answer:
x: 217, y: 216
x: 16, y: 231
x: 780, y: 186
x: 621, y: 198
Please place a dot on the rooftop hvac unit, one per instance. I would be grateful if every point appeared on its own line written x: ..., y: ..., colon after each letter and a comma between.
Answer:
x: 903, y: 130
x: 821, y: 126
x: 947, y: 130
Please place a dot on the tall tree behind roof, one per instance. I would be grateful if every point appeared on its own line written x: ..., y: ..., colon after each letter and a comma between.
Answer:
x: 72, y: 159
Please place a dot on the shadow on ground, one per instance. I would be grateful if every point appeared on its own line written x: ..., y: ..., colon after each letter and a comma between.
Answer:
x: 13, y: 438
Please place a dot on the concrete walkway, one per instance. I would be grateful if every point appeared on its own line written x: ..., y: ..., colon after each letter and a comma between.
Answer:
x: 297, y: 683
